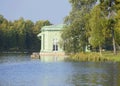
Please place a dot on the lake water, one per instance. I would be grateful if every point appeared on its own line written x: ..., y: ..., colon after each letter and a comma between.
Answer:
x: 20, y: 70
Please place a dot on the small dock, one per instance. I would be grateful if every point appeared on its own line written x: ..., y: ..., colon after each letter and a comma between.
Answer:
x: 35, y: 55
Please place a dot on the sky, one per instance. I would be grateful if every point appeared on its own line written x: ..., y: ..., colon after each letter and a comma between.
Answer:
x: 52, y: 10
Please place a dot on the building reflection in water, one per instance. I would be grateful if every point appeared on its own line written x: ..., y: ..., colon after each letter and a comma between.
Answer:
x: 51, y: 58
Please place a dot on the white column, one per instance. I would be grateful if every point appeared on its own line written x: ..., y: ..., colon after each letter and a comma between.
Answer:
x: 42, y: 43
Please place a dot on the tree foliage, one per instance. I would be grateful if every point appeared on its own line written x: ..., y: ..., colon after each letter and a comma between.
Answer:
x: 117, y: 25
x: 98, y: 27
x: 75, y: 32
x: 94, y: 22
x: 20, y: 35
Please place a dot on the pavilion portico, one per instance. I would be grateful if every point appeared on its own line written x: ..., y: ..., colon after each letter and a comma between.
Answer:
x: 50, y: 40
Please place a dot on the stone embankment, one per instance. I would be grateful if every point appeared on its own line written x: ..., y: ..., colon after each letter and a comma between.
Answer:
x: 36, y: 55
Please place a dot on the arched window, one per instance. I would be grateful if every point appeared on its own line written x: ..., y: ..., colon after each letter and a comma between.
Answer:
x: 55, y: 45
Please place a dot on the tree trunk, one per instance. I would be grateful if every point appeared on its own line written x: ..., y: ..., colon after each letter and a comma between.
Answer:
x: 100, y: 50
x: 114, y: 45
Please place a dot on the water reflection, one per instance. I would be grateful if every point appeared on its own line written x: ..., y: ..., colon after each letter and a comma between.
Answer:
x: 51, y: 58
x: 107, y: 74
x: 14, y: 57
x: 52, y: 71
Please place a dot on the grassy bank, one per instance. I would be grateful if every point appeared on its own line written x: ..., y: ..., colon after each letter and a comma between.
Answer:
x: 95, y: 57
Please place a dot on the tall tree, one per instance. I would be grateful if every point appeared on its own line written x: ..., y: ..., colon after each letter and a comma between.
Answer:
x: 20, y: 35
x: 28, y: 35
x: 3, y: 33
x: 75, y: 38
x: 98, y: 25
x: 117, y: 25
x: 39, y: 24
x: 19, y: 26
x: 37, y: 29
x: 111, y: 17
x: 110, y: 9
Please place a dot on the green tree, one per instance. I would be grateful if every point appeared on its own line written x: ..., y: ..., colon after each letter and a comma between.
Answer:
x: 20, y: 35
x: 75, y: 34
x: 39, y: 24
x: 117, y: 25
x: 109, y: 8
x: 28, y: 35
x: 98, y: 25
x: 36, y: 29
x: 3, y: 33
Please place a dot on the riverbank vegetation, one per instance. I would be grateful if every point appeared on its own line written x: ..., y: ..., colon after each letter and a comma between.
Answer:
x: 95, y: 57
x: 20, y: 35
x: 93, y: 23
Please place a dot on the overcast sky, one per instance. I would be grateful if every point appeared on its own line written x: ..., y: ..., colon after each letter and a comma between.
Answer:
x: 52, y: 10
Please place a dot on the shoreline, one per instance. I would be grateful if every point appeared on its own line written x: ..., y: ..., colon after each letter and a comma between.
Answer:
x: 13, y: 52
x: 95, y: 57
